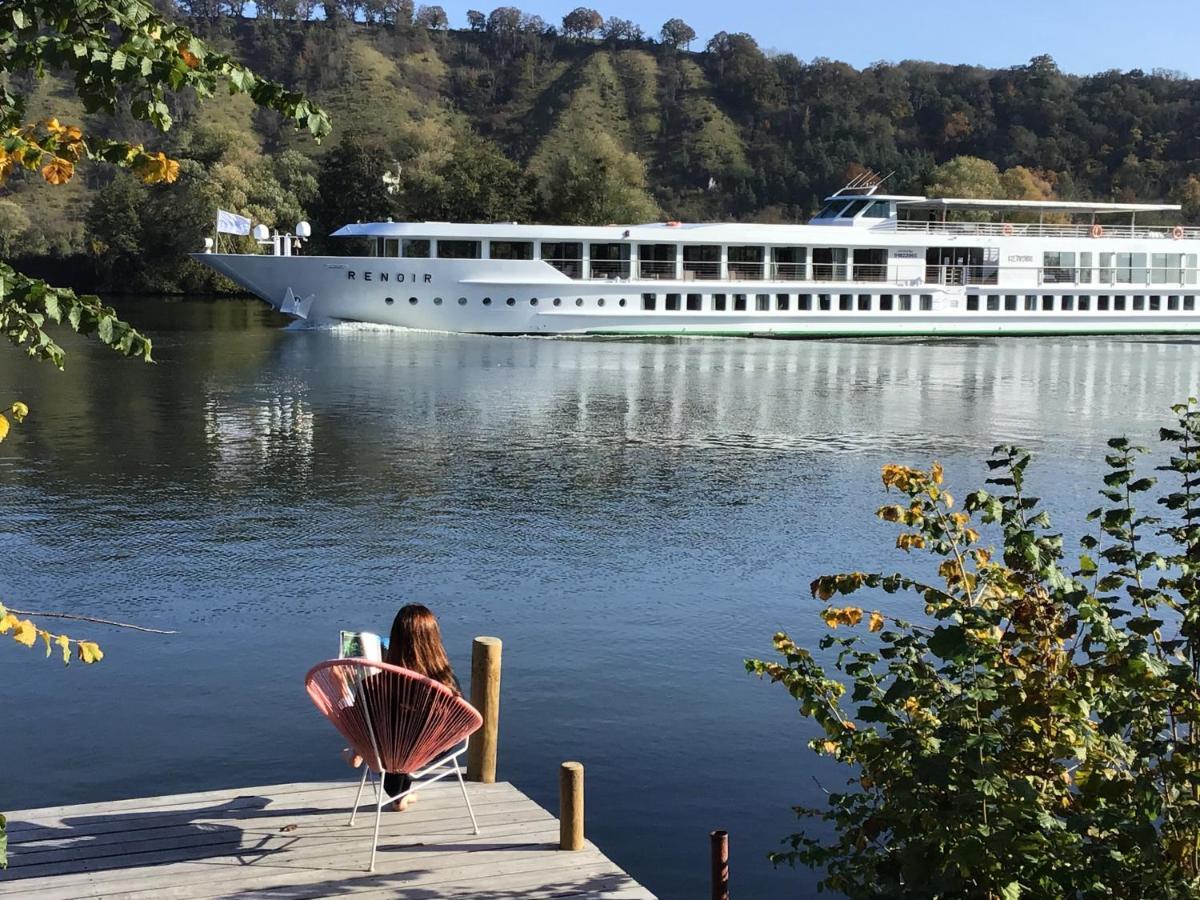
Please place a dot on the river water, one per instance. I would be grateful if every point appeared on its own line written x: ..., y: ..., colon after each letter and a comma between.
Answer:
x: 633, y: 518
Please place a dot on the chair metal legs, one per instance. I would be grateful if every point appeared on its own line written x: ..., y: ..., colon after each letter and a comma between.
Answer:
x: 378, y: 815
x: 358, y: 796
x: 462, y: 784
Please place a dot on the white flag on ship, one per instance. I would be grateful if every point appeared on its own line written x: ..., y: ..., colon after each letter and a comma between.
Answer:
x: 232, y: 223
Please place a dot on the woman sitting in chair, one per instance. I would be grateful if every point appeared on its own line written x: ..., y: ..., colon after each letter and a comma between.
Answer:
x: 415, y: 644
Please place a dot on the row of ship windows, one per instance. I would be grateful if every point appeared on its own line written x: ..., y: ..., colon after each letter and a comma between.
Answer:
x: 741, y: 302
x: 1082, y: 303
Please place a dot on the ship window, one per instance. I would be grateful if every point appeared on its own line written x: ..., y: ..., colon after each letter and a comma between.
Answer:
x: 458, y: 249
x: 853, y: 209
x: 927, y: 302
x: 649, y: 301
x: 566, y: 256
x: 579, y: 301
x: 377, y: 247
x: 864, y: 302
x: 600, y: 302
x: 825, y: 302
x: 845, y: 302
x: 906, y: 302
x: 672, y: 302
x: 762, y: 302
x: 877, y: 210
x: 654, y: 260
x: 739, y: 302
x: 1155, y: 304
x: 511, y: 301
x: 829, y: 263
x: 487, y: 301
x: 782, y: 301
x: 694, y: 302
x: 1030, y: 303
x: 511, y: 250
x: 1189, y: 269
x: 701, y: 262
x: 993, y: 303
x: 415, y: 248
x: 533, y: 301
x: 390, y: 300
x: 621, y: 302
x: 1189, y: 304
x: 789, y: 263
x: 831, y: 211
x: 1139, y: 303
x: 412, y: 301
x: 1173, y: 303
x: 612, y: 261
x: 1048, y: 303
x: 870, y: 265
x: 1010, y: 302
x: 1068, y: 303
x: 1102, y: 303
x: 885, y: 303
x: 437, y: 301
x: 1058, y: 267
x: 746, y: 263
x: 804, y: 302
x: 718, y: 302
x: 558, y: 301
x: 391, y: 247
x: 1084, y: 303
x: 462, y: 301
x: 973, y: 304
x: 1119, y: 303
x: 1166, y: 268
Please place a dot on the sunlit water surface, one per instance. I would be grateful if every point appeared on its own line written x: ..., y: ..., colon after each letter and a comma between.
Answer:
x: 633, y: 518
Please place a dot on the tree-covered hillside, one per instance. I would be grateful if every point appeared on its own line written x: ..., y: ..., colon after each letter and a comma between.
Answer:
x: 587, y: 121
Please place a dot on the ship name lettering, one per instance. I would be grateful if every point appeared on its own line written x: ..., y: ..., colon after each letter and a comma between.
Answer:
x: 385, y: 276
x: 1019, y: 258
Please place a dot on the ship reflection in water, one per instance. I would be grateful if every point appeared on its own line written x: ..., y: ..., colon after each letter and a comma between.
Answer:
x: 634, y: 518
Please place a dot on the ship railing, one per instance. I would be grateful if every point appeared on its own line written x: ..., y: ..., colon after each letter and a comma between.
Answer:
x: 1052, y: 229
x: 572, y: 268
x: 609, y: 268
x: 958, y: 275
x: 701, y: 271
x: 656, y: 268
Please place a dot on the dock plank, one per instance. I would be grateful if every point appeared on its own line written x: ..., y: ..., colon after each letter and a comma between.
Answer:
x: 292, y: 841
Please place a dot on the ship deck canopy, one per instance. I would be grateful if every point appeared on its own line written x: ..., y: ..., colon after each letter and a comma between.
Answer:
x: 947, y: 204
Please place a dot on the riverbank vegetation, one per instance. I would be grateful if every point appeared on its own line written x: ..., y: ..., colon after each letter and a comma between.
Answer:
x: 1035, y: 732
x: 590, y: 120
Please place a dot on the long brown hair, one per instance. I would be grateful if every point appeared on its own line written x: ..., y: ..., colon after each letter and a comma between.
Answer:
x: 416, y: 644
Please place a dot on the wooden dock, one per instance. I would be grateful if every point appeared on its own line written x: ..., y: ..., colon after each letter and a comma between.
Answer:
x: 292, y: 840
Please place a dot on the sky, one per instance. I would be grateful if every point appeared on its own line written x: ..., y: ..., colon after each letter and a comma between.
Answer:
x: 1083, y: 37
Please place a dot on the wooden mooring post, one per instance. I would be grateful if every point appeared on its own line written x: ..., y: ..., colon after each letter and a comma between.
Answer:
x: 720, y: 864
x: 485, y: 697
x: 570, y: 806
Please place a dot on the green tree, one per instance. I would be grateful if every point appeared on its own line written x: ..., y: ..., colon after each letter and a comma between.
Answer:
x: 965, y: 176
x: 1037, y: 731
x: 475, y: 182
x: 14, y: 225
x: 351, y: 185
x: 596, y: 182
x: 677, y: 33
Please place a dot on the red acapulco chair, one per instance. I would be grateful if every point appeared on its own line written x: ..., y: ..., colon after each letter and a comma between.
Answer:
x: 398, y: 721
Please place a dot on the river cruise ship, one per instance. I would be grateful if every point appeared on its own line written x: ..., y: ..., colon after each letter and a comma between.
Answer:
x: 868, y: 263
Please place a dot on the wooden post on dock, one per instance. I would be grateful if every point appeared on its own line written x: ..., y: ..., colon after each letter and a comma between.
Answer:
x: 485, y: 697
x: 720, y: 865
x: 570, y: 806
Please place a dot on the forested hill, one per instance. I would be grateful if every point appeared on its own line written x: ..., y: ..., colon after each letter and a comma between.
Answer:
x: 592, y: 122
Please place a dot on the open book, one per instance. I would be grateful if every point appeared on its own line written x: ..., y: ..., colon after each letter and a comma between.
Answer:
x: 362, y: 645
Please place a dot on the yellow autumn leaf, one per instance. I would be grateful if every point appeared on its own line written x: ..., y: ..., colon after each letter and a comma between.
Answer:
x: 25, y: 633
x: 64, y: 644
x: 190, y: 59
x: 876, y: 622
x: 46, y: 637
x: 829, y: 746
x: 936, y: 471
x: 58, y: 170
x: 19, y: 411
x: 4, y: 426
x: 90, y: 652
x: 53, y: 126
x: 8, y: 622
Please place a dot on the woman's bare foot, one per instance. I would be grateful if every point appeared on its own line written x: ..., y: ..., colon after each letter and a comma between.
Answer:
x: 404, y: 802
x: 353, y: 760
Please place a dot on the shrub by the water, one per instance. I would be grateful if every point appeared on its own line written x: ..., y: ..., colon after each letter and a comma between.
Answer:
x: 1035, y: 734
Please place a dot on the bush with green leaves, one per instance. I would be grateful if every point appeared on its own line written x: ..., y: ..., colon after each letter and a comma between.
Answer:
x: 1035, y: 734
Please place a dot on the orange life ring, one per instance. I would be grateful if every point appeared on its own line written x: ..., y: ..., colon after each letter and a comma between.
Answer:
x: 1006, y: 229
x: 1097, y: 230
x: 1177, y: 232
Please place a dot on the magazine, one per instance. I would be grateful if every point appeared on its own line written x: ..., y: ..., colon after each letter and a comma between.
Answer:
x: 362, y: 645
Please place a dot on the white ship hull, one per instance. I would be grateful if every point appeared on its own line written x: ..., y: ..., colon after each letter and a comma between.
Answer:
x: 472, y: 296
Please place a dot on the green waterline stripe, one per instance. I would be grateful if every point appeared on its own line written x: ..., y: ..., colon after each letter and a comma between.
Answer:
x: 806, y: 333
